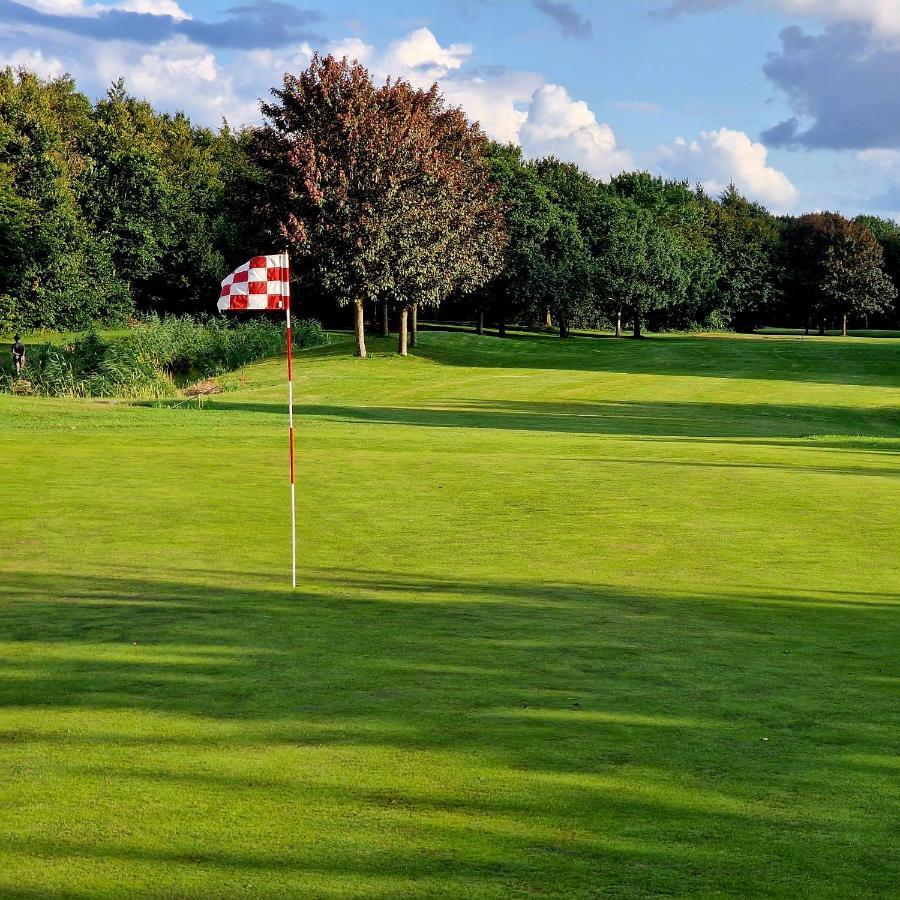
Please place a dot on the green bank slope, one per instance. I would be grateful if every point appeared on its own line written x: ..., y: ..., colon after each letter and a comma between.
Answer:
x: 574, y: 618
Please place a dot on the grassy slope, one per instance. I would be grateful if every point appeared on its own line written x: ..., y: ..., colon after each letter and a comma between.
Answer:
x: 588, y: 617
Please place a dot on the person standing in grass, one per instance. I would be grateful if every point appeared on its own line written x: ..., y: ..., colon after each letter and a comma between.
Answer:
x: 18, y: 354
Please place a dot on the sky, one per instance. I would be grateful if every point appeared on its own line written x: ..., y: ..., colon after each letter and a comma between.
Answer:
x: 795, y: 101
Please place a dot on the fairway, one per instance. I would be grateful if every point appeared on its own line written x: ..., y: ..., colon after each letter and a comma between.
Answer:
x: 575, y: 618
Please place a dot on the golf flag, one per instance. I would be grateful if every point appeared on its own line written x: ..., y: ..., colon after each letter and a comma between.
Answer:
x: 264, y: 283
x: 260, y: 283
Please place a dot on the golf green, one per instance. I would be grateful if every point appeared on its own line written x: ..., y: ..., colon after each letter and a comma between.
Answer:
x: 575, y: 618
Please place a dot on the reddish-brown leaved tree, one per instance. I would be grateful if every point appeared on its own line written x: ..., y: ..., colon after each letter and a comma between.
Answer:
x: 379, y: 192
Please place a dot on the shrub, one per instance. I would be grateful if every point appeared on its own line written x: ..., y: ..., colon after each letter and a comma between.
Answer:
x: 156, y: 356
x: 309, y: 333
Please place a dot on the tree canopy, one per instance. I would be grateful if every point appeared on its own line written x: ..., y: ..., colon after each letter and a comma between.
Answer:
x: 386, y: 194
x: 381, y: 192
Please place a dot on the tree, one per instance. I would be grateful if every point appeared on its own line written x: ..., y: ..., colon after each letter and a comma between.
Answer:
x: 835, y: 269
x: 17, y: 219
x: 446, y: 225
x: 154, y: 191
x: 563, y: 274
x: 380, y: 193
x: 528, y: 279
x: 583, y: 234
x: 68, y: 278
x: 683, y: 220
x: 745, y: 240
x: 854, y: 280
x: 322, y: 153
x: 124, y: 195
x: 639, y: 265
x: 887, y: 233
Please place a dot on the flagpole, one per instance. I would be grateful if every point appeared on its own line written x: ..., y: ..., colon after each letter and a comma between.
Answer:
x: 290, y: 376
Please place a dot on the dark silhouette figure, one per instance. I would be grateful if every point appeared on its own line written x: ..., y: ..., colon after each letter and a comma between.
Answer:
x: 18, y: 354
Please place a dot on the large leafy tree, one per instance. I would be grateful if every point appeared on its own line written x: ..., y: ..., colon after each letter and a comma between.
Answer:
x: 125, y: 195
x: 543, y: 241
x: 67, y: 278
x: 836, y: 269
x: 323, y: 153
x: 121, y: 205
x: 582, y: 200
x: 380, y: 192
x: 682, y: 220
x: 746, y: 241
x: 154, y: 191
x: 446, y: 225
x: 639, y: 265
x: 887, y: 233
x: 854, y: 281
x: 17, y: 219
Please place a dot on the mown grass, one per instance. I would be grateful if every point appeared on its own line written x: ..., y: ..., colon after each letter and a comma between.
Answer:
x: 575, y: 619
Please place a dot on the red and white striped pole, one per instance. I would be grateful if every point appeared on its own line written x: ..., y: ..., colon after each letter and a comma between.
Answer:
x: 290, y: 375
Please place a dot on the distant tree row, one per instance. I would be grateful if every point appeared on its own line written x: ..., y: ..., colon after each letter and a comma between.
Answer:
x: 389, y: 202
x: 647, y: 252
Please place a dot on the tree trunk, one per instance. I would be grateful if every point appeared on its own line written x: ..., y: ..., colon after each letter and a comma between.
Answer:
x: 385, y: 322
x: 844, y: 326
x: 563, y: 326
x: 401, y: 342
x: 619, y: 322
x: 548, y: 319
x: 359, y: 323
x: 479, y: 323
x: 637, y: 326
x: 821, y: 328
x: 415, y: 325
x: 501, y: 328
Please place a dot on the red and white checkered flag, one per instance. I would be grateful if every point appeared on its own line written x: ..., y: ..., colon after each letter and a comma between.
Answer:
x: 261, y: 283
x: 264, y: 282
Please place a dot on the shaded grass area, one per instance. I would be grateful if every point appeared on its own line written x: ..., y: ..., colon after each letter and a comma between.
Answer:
x: 616, y: 417
x: 859, y: 360
x: 574, y: 634
x: 495, y: 737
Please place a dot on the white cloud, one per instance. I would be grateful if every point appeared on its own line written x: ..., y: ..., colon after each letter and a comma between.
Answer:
x: 353, y: 48
x: 560, y: 126
x: 883, y: 16
x: 80, y: 8
x: 493, y: 97
x: 177, y: 75
x: 419, y: 53
x: 153, y: 7
x: 717, y: 158
x: 498, y: 100
x: 62, y: 7
x: 883, y: 159
x: 510, y: 105
x: 34, y: 61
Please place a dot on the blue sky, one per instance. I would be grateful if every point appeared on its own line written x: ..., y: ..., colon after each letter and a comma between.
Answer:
x: 794, y: 100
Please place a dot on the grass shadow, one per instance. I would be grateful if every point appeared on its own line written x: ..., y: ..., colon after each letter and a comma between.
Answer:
x: 843, y: 426
x: 830, y: 361
x: 560, y: 726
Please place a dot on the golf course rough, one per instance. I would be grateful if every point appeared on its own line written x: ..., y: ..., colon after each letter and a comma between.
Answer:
x: 575, y: 618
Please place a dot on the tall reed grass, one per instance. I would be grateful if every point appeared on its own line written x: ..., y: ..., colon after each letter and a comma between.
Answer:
x: 155, y: 358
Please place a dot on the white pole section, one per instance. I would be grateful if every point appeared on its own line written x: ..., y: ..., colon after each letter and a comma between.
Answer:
x: 290, y: 375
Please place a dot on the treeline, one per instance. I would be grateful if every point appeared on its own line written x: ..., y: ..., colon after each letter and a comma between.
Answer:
x: 644, y: 252
x: 108, y: 208
x: 390, y: 202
